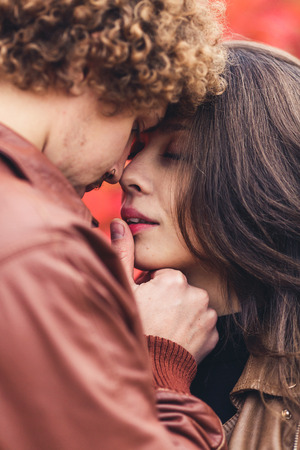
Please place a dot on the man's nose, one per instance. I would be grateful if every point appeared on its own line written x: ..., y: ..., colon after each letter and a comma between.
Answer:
x: 111, y: 177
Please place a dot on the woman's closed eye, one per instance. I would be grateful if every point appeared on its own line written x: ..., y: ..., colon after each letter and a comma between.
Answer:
x: 172, y: 156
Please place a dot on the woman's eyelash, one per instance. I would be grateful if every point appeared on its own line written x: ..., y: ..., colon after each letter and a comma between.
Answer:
x: 174, y: 156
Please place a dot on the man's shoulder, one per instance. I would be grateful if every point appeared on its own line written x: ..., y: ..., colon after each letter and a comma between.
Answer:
x: 41, y: 213
x: 25, y: 210
x: 30, y: 218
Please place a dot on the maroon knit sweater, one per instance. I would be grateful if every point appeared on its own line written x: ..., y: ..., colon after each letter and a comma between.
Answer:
x: 173, y: 367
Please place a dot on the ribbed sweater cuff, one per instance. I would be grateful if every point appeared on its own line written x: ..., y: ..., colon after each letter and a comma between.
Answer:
x: 173, y: 366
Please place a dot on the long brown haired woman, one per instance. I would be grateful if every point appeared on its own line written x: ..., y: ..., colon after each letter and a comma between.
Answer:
x: 217, y: 196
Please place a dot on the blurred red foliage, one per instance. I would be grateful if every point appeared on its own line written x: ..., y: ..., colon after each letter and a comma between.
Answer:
x: 275, y: 22
x: 104, y: 204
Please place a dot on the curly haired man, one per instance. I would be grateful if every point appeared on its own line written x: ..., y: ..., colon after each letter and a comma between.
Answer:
x: 78, y: 80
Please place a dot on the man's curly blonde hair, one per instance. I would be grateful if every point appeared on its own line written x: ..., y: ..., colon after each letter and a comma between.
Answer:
x: 137, y: 53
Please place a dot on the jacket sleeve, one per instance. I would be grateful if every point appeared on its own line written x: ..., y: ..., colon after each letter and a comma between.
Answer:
x: 173, y: 369
x: 74, y: 368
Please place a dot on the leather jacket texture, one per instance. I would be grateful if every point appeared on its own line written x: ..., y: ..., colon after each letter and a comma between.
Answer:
x: 74, y: 368
x: 258, y: 425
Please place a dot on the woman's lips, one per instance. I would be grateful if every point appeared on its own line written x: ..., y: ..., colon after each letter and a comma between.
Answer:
x: 137, y: 227
x: 137, y: 221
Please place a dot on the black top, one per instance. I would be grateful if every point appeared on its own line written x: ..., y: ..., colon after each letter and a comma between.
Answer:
x: 220, y: 370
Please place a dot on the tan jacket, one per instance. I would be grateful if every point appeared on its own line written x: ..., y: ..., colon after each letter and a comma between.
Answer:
x: 74, y: 368
x: 256, y: 426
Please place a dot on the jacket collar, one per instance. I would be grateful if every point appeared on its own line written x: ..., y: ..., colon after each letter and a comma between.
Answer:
x: 36, y: 168
x: 251, y: 379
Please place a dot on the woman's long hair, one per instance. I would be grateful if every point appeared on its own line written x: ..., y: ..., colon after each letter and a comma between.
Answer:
x: 242, y: 205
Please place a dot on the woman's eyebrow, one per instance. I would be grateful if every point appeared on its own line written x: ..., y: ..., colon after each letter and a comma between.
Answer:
x: 152, y: 129
x: 174, y: 126
x: 167, y: 127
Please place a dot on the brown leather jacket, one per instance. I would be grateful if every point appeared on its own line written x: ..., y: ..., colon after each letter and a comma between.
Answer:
x: 74, y: 369
x: 256, y: 426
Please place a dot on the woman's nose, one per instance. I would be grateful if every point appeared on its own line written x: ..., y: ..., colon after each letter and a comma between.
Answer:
x: 135, y: 178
